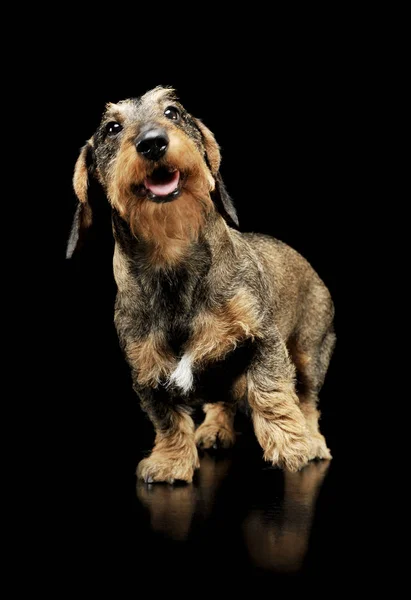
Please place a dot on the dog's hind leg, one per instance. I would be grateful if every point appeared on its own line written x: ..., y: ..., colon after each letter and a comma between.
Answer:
x: 311, y: 351
x: 217, y: 429
x: 279, y: 424
x: 312, y: 364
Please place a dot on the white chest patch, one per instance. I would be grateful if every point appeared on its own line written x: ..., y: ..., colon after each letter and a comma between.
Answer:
x: 182, y: 376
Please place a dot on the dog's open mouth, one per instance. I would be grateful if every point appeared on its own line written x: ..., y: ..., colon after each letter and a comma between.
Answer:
x: 163, y: 183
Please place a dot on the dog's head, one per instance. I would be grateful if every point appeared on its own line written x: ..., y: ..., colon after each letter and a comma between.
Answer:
x: 159, y: 168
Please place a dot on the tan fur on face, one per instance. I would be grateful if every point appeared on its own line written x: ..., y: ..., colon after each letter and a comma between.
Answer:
x: 174, y: 455
x: 170, y: 227
x: 150, y: 359
x: 218, y: 332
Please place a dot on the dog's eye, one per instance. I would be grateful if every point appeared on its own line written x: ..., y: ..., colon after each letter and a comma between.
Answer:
x: 172, y: 113
x: 113, y: 128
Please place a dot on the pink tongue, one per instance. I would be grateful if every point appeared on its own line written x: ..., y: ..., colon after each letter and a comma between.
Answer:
x: 163, y: 189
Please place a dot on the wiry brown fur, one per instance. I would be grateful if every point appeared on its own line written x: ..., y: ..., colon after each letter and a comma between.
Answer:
x: 215, y: 333
x: 151, y: 358
x: 239, y: 389
x: 218, y: 426
x: 221, y: 329
x: 174, y: 456
x: 80, y: 177
x: 199, y: 302
x: 80, y: 184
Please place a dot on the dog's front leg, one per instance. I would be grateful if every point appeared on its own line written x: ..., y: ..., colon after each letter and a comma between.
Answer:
x: 279, y: 424
x: 174, y: 456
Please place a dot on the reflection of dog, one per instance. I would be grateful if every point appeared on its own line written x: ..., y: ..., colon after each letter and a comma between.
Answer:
x: 172, y: 508
x: 277, y: 534
x: 200, y: 304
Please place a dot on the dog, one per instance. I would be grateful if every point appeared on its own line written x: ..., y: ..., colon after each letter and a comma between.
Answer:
x: 205, y: 314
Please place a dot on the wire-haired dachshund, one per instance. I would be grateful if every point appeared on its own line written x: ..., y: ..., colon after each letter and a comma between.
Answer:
x: 204, y: 313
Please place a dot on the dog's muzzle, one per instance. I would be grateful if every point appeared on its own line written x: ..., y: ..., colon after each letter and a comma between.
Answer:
x: 152, y: 144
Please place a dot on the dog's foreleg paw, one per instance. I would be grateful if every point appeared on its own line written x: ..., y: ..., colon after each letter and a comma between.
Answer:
x: 292, y: 456
x: 168, y: 467
x: 286, y: 444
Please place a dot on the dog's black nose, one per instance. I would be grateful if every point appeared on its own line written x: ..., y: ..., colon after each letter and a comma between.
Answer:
x: 152, y: 144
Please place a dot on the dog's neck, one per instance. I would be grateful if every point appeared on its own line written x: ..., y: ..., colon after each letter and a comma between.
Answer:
x: 178, y: 254
x: 171, y: 295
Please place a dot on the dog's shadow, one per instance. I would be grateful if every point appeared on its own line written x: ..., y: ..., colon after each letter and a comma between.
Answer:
x: 275, y: 531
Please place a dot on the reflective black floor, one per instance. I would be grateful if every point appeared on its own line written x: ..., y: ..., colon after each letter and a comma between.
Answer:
x: 240, y: 522
x: 266, y: 516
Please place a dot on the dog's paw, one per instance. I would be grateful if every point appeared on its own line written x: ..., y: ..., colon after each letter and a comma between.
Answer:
x: 161, y: 467
x: 210, y: 435
x: 293, y: 456
x: 284, y: 445
x: 318, y: 448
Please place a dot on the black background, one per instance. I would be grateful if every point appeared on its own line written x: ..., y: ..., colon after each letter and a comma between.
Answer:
x: 284, y: 129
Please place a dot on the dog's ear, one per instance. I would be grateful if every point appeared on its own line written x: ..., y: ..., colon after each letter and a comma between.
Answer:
x: 223, y: 201
x: 220, y: 195
x: 84, y: 215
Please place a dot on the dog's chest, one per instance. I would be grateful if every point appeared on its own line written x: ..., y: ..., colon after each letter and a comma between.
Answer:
x: 175, y: 325
x: 176, y: 353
